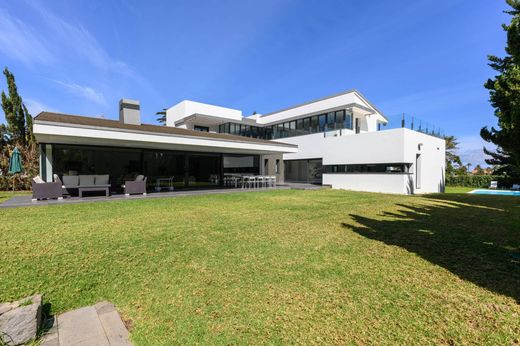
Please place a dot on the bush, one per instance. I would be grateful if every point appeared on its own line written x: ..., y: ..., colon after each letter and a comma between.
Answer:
x: 480, y: 181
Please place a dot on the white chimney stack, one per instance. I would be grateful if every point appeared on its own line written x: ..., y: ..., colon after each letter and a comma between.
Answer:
x: 129, y: 112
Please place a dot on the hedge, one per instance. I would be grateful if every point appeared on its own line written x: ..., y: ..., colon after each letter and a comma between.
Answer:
x: 482, y: 181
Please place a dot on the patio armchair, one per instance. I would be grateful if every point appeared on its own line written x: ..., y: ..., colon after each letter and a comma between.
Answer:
x: 516, y: 187
x: 493, y: 185
x: 135, y: 186
x: 43, y: 190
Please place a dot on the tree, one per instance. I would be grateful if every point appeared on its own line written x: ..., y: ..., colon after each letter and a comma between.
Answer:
x: 19, y: 121
x: 162, y: 118
x: 452, y: 159
x: 504, y: 91
x: 478, y: 170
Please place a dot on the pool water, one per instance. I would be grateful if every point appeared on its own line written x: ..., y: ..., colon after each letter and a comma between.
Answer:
x: 496, y: 192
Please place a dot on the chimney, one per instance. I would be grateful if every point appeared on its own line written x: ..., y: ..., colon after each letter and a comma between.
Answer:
x: 129, y: 112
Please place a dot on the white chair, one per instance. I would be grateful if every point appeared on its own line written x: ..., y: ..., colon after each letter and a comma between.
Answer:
x: 493, y: 184
x: 516, y: 187
x: 272, y: 181
x: 261, y: 181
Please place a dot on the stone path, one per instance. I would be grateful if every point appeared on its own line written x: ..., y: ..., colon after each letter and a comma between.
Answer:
x: 98, y: 325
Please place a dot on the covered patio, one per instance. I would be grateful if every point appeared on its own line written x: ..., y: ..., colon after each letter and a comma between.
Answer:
x: 168, y: 159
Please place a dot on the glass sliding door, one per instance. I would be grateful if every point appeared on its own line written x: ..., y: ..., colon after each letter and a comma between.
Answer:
x: 204, y: 170
x: 304, y: 171
x: 164, y: 169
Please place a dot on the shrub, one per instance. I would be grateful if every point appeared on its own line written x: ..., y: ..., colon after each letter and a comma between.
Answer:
x: 480, y: 181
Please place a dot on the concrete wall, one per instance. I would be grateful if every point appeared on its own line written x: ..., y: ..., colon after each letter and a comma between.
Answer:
x: 371, y: 182
x: 389, y: 146
x: 271, y: 167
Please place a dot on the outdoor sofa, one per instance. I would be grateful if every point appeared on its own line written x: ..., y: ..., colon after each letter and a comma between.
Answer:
x: 83, y: 183
x: 43, y: 190
x: 135, y: 186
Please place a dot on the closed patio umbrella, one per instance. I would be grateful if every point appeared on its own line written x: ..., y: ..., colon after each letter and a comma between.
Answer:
x: 15, y: 164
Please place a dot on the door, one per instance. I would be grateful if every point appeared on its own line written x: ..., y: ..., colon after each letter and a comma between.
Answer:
x: 418, y: 171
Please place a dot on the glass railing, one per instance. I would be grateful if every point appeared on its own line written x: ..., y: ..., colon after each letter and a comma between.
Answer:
x: 413, y: 123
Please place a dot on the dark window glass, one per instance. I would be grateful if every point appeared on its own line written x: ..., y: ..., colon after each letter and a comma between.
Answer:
x: 292, y: 128
x: 340, y: 118
x: 322, y: 120
x: 201, y: 128
x: 279, y: 131
x: 348, y: 120
x: 314, y: 124
x: 330, y: 121
x: 368, y: 168
x: 307, y: 125
x: 299, y: 125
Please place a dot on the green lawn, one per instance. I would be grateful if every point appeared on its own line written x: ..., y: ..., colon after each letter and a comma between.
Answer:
x: 279, y: 267
x: 459, y: 189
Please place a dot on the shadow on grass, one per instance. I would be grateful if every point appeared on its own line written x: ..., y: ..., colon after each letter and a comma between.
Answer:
x: 475, y: 237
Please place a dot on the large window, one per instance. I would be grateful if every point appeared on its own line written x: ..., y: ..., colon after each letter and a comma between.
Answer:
x: 341, y: 119
x: 308, y: 171
x: 241, y: 164
x: 367, y: 168
x: 161, y: 167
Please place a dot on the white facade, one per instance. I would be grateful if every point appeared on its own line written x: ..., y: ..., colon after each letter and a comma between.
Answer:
x: 334, y: 141
x: 414, y: 161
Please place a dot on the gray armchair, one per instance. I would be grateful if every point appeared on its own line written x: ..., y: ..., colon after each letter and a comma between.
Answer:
x: 43, y: 190
x: 137, y: 186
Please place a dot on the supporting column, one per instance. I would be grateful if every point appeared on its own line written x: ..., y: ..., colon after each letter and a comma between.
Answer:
x: 48, y: 163
x: 43, y: 170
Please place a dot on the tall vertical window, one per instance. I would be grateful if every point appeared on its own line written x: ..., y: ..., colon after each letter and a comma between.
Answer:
x: 277, y: 167
x: 322, y: 120
x: 348, y: 120
x: 330, y: 121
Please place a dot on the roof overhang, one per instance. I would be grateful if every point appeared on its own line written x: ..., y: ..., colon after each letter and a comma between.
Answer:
x: 65, y: 133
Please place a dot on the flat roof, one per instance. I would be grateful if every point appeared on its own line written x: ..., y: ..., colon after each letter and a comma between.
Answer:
x: 85, y: 121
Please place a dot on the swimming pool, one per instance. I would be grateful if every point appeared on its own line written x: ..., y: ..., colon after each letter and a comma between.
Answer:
x: 496, y: 192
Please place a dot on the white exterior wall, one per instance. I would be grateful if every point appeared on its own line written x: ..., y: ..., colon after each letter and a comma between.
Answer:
x: 317, y: 107
x: 373, y: 182
x: 389, y: 146
x: 187, y: 108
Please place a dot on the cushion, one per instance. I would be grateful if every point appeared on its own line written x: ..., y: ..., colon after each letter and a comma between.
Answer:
x: 86, y: 180
x: 70, y: 180
x: 101, y: 179
x: 140, y: 177
x: 38, y: 180
x: 56, y: 178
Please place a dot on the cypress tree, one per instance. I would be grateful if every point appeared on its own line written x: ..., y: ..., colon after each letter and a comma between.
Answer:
x: 504, y: 91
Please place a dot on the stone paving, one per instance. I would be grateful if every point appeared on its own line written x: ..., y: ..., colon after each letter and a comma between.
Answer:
x: 97, y: 325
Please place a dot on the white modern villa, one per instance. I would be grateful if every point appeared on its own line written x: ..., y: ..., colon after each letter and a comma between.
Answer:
x: 337, y: 140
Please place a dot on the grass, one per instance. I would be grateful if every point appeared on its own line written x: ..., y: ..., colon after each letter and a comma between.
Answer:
x: 278, y: 267
x: 459, y: 189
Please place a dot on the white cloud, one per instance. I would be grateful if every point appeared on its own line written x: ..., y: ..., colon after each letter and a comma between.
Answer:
x: 20, y: 41
x: 30, y: 44
x: 85, y: 92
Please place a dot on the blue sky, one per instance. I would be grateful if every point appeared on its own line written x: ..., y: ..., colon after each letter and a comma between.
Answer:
x: 421, y: 57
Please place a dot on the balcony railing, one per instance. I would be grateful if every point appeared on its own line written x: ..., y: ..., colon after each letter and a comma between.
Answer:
x: 413, y: 123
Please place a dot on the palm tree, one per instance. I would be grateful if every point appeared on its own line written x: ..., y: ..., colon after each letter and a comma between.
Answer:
x: 162, y: 118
